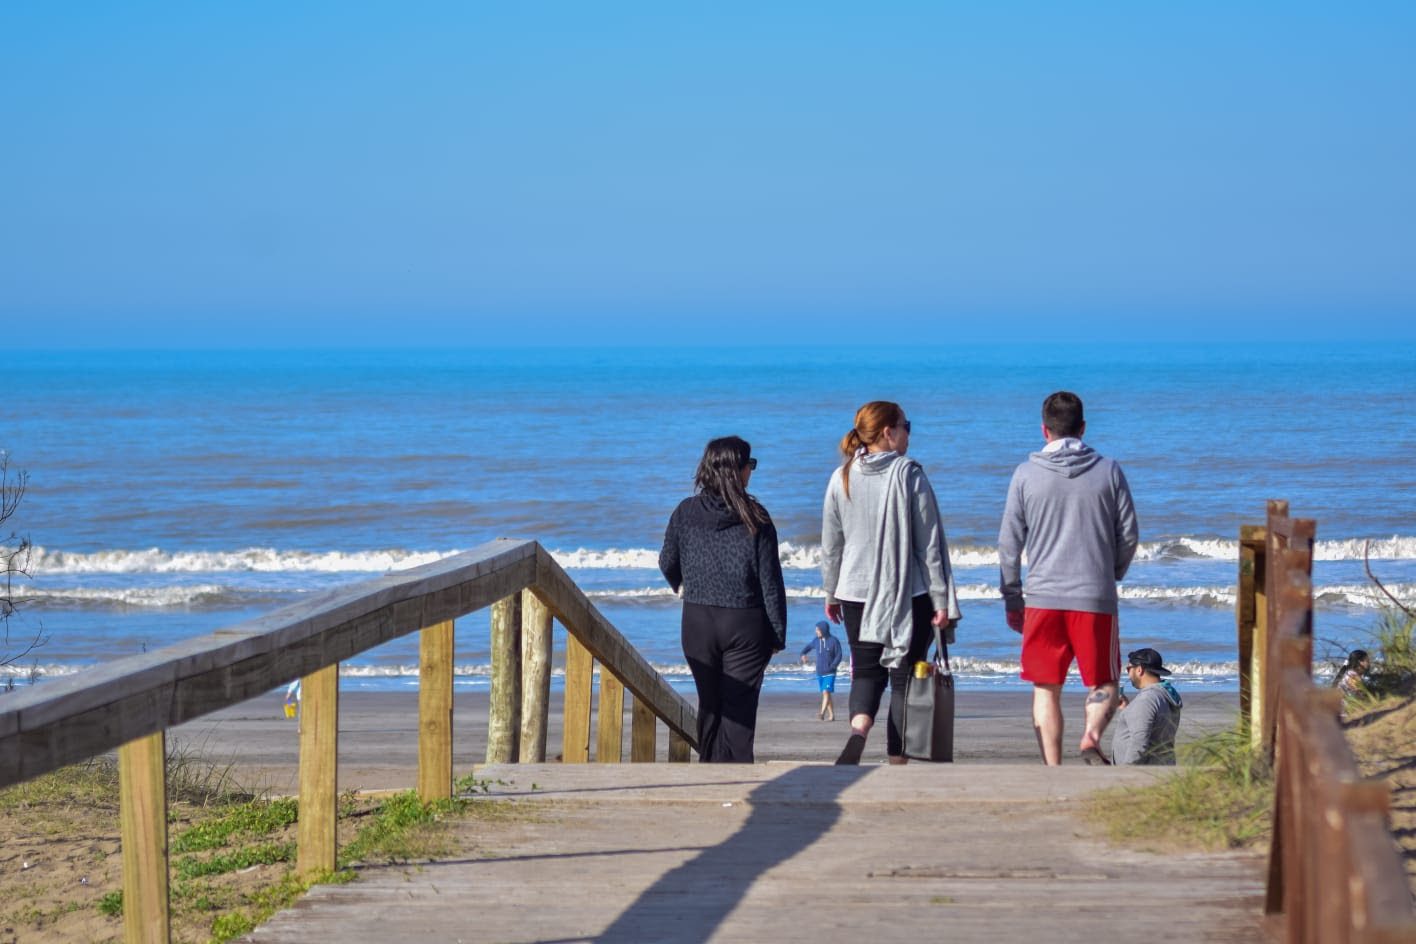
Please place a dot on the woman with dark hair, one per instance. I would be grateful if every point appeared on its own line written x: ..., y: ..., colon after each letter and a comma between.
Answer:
x: 884, y: 567
x: 721, y: 549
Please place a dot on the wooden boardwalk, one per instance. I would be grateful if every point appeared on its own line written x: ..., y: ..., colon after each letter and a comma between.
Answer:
x: 790, y: 852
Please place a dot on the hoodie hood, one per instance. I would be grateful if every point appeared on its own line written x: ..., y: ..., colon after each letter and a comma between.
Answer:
x: 1171, y: 693
x: 1069, y: 460
x: 715, y: 512
x: 875, y: 463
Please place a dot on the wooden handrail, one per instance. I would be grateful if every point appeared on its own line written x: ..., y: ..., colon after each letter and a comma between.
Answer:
x: 1334, y: 872
x: 129, y: 703
x: 65, y: 720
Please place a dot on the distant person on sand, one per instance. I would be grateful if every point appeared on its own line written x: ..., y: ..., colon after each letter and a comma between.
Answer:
x: 828, y: 658
x: 1069, y: 510
x: 1146, y: 724
x: 1351, y: 678
x: 884, y: 567
x: 721, y: 548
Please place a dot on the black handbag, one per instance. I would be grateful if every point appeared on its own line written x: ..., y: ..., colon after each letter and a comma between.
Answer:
x: 929, y: 707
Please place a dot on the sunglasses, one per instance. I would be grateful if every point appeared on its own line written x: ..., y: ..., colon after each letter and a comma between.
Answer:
x: 905, y: 426
x: 751, y: 463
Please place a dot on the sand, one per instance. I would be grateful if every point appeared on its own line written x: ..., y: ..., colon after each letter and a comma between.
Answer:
x: 378, y: 747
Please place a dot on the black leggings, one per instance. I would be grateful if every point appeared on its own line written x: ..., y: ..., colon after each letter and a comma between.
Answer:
x: 727, y: 650
x: 868, y: 676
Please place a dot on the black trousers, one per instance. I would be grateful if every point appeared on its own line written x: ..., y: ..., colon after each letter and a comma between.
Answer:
x: 727, y: 650
x: 869, y: 677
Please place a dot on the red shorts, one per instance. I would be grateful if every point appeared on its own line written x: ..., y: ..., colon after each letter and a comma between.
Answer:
x: 1052, y: 638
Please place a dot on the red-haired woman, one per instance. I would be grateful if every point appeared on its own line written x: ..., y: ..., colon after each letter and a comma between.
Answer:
x: 885, y: 568
x: 721, y: 548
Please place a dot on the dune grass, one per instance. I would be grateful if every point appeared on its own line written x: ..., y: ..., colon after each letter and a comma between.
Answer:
x: 1220, y: 798
x: 1222, y: 795
x: 231, y: 850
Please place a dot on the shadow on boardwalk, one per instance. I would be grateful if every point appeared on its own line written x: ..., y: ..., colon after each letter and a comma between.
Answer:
x: 708, y: 853
x: 688, y: 903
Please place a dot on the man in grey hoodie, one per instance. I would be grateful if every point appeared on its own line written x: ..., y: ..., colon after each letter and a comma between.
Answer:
x: 1146, y: 728
x: 1069, y: 509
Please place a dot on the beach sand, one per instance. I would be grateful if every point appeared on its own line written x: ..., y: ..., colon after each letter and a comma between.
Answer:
x: 378, y: 742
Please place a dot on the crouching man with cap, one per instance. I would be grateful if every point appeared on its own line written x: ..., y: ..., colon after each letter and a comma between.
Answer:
x: 1146, y: 725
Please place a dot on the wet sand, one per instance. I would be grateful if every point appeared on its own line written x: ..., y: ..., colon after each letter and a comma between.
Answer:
x: 378, y: 742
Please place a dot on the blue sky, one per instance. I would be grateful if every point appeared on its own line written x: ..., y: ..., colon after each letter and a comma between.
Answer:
x: 266, y: 174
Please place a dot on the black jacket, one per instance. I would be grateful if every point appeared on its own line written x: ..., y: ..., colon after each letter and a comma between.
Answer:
x: 710, y: 553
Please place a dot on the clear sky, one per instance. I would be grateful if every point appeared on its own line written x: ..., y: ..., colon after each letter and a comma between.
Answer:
x: 263, y: 173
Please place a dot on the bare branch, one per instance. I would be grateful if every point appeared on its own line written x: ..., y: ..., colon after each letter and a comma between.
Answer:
x: 1367, y: 565
x: 14, y: 562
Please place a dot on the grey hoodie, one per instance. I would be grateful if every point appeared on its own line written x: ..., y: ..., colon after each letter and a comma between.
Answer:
x: 1145, y: 728
x: 886, y: 537
x: 1070, y: 510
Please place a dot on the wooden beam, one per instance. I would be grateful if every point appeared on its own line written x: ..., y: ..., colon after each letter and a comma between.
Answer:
x: 536, y: 638
x: 435, y: 659
x: 142, y: 824
x: 579, y: 679
x: 1244, y: 629
x: 504, y: 713
x: 319, y: 756
x: 678, y: 748
x: 642, y: 748
x: 583, y: 621
x: 609, y: 744
x: 43, y: 727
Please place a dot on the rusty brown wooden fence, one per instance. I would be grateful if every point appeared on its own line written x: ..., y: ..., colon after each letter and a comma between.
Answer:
x: 1334, y: 871
x: 129, y: 704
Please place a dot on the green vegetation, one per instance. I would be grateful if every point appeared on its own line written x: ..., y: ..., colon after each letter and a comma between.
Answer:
x: 232, y: 854
x: 403, y: 828
x: 1394, y: 661
x: 251, y: 819
x: 1221, y: 798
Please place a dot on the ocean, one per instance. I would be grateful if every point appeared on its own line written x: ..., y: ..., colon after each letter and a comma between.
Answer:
x: 173, y: 493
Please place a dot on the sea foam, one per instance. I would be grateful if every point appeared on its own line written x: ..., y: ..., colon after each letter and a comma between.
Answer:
x: 794, y: 556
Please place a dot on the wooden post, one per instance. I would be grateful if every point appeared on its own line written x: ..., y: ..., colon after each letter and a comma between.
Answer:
x: 678, y: 748
x: 1261, y: 712
x: 579, y: 680
x: 609, y: 744
x: 142, y: 804
x: 1244, y: 621
x: 435, y: 655
x: 535, y: 677
x: 1276, y: 534
x: 504, y: 717
x: 319, y: 767
x: 642, y: 747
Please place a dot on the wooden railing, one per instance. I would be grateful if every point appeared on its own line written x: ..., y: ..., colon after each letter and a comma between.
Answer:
x: 129, y: 704
x: 1334, y: 871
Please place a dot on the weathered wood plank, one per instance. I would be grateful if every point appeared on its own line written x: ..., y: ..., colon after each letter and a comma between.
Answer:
x: 142, y: 824
x: 53, y: 724
x: 48, y: 748
x: 435, y: 658
x: 609, y: 743
x: 584, y: 621
x: 504, y: 712
x: 1244, y: 629
x: 579, y: 681
x: 642, y: 731
x: 678, y: 748
x: 536, y: 639
x: 319, y: 755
